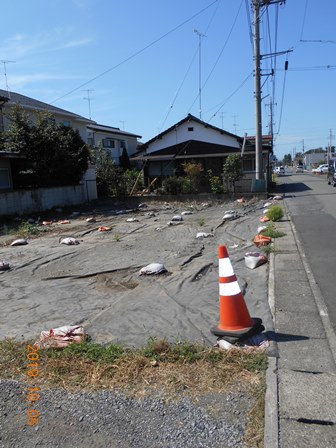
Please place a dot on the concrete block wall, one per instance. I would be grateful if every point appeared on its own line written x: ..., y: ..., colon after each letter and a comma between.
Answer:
x: 36, y: 200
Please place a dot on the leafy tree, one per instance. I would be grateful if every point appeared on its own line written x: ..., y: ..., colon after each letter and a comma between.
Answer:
x: 124, y: 160
x: 106, y: 173
x: 193, y: 172
x: 54, y: 154
x: 216, y: 182
x: 17, y: 136
x: 232, y: 170
x: 287, y: 160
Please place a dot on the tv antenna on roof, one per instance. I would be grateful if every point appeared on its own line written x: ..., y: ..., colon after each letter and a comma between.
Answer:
x: 88, y: 99
x: 4, y: 62
x: 200, y: 36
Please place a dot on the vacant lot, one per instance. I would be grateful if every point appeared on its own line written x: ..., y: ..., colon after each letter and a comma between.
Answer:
x: 88, y: 400
x: 97, y: 282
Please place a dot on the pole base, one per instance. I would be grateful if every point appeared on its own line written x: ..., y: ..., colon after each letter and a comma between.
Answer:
x: 239, y: 335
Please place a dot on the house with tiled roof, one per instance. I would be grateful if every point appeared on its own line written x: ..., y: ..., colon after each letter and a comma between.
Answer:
x: 193, y: 139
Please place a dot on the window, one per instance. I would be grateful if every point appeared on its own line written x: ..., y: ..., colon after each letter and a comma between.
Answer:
x: 91, y: 141
x: 108, y: 143
x: 249, y: 165
x: 122, y: 144
x: 4, y: 178
x: 190, y: 129
x: 66, y: 123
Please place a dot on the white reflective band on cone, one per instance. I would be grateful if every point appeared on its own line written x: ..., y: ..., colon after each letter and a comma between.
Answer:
x: 225, y: 267
x: 229, y: 289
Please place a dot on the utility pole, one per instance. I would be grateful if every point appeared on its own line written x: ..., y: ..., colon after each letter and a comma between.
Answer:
x: 200, y: 35
x: 257, y: 89
x: 88, y: 99
x: 257, y: 4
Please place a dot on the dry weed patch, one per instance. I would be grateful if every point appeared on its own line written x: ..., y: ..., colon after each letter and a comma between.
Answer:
x: 159, y: 369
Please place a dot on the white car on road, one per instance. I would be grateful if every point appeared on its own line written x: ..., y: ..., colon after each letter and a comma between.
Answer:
x: 321, y: 169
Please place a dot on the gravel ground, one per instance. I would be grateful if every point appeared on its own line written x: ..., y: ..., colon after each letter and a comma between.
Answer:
x: 111, y: 419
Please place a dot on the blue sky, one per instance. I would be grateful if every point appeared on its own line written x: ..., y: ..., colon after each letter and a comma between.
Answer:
x: 139, y: 63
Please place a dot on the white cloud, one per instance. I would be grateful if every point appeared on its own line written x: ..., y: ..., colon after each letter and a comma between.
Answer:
x: 20, y: 46
x: 76, y: 43
x: 20, y: 81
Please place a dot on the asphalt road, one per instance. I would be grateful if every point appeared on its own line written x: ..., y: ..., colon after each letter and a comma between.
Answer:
x: 311, y: 203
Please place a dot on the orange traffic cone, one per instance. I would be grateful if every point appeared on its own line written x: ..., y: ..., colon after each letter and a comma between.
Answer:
x: 234, y: 319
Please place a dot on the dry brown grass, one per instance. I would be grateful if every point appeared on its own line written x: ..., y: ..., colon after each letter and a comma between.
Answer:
x: 159, y: 369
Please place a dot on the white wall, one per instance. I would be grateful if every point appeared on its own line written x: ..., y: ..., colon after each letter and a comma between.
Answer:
x: 199, y: 133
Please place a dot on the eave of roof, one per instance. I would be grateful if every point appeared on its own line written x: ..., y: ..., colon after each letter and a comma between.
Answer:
x: 111, y: 130
x: 193, y: 149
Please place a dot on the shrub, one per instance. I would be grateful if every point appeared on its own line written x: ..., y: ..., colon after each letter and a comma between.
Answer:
x: 275, y: 213
x: 172, y: 185
x: 216, y: 183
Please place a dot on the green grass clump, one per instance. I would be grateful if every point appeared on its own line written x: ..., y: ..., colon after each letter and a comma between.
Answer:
x: 201, y: 222
x: 272, y: 232
x: 275, y: 213
x: 26, y: 229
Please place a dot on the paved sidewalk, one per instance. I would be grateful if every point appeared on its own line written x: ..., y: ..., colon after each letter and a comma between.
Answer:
x: 301, y: 379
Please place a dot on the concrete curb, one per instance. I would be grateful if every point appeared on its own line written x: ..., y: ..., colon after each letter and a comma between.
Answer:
x: 271, y: 423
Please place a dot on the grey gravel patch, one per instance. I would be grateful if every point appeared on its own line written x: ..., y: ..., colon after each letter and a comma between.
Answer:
x: 112, y: 419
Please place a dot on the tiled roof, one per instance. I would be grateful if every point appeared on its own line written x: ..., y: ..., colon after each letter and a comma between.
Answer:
x: 30, y: 103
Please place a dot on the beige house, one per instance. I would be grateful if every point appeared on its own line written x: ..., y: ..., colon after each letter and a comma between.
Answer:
x: 112, y: 140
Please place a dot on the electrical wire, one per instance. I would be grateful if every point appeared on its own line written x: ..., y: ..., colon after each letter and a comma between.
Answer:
x: 304, y: 20
x: 187, y: 72
x: 230, y: 96
x: 132, y: 56
x: 282, y: 101
x: 220, y: 54
x: 249, y: 23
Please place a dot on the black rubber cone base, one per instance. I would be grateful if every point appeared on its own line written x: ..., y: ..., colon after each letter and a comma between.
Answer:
x: 237, y: 336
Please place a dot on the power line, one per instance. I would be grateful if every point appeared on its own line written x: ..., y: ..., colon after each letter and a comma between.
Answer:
x: 186, y: 74
x: 132, y: 56
x: 220, y: 54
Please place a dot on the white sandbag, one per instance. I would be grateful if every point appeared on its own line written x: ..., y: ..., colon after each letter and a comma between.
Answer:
x: 266, y: 211
x: 203, y: 235
x: 132, y: 220
x: 69, y: 241
x: 230, y: 214
x: 4, y: 265
x: 278, y: 197
x: 258, y: 340
x: 19, y: 242
x: 254, y: 259
x: 268, y: 204
x: 61, y: 337
x: 177, y: 218
x: 152, y: 269
x: 186, y: 212
x: 90, y: 219
x: 261, y: 228
x: 224, y: 345
x: 174, y: 223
